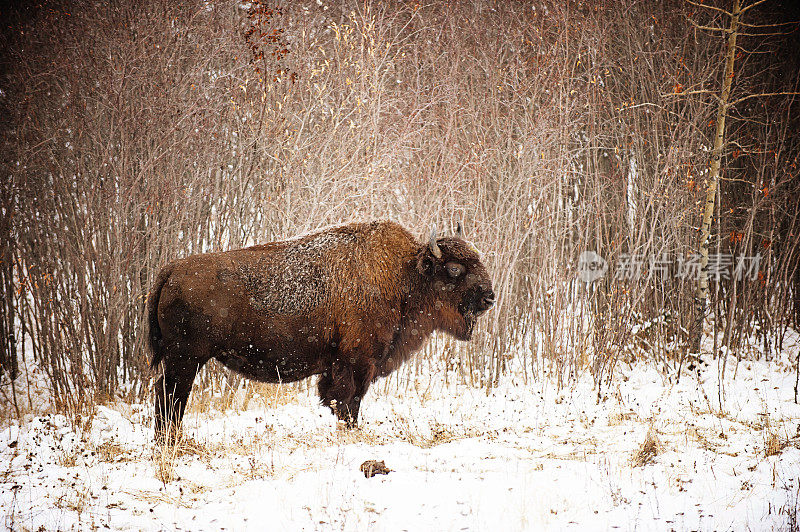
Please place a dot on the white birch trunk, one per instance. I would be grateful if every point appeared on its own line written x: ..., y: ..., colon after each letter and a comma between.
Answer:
x: 701, y: 293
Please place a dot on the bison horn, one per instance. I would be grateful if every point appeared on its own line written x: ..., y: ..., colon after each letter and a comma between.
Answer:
x: 459, y: 230
x: 434, y: 246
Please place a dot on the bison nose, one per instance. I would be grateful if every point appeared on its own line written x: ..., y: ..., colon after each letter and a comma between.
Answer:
x: 488, y: 300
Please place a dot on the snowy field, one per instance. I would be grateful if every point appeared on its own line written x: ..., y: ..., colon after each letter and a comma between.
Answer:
x: 649, y: 455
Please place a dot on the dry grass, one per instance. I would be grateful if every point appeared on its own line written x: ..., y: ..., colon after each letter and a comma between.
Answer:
x: 252, y: 450
x: 617, y: 418
x: 701, y: 439
x: 76, y: 501
x: 111, y: 451
x: 165, y: 464
x: 648, y: 450
x: 165, y: 455
x: 346, y: 436
x: 204, y: 399
x: 158, y: 497
x: 774, y: 444
x: 274, y: 395
x: 68, y: 458
x: 439, y: 433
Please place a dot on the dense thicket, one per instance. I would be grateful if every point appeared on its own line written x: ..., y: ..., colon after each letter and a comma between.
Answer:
x: 135, y: 133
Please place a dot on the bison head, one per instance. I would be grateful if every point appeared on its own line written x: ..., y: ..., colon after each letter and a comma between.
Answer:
x: 460, y: 284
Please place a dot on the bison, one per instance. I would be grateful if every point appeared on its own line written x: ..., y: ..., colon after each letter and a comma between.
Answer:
x: 349, y: 303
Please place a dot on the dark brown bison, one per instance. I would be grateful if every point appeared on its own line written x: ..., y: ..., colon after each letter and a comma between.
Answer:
x: 348, y: 303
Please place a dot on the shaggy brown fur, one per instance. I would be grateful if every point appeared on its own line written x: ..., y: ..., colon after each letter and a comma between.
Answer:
x: 349, y: 303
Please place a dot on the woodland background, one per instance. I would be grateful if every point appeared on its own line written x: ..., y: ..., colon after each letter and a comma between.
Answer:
x: 135, y: 133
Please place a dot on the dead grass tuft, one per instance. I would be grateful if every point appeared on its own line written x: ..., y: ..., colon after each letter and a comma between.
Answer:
x: 439, y: 434
x: 267, y: 396
x: 773, y: 443
x: 68, y: 458
x: 619, y: 418
x: 165, y: 454
x: 274, y: 395
x: 160, y: 497
x: 165, y: 467
x: 111, y: 451
x: 648, y: 450
x: 190, y: 446
x: 346, y: 436
x: 76, y: 501
x: 701, y: 439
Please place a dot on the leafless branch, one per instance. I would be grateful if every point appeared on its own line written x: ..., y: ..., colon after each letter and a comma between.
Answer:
x: 763, y: 95
x: 751, y: 6
x: 706, y: 6
x: 707, y: 28
x: 692, y: 93
x: 772, y: 25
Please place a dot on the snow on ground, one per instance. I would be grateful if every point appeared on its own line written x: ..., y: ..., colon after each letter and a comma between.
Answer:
x: 525, y: 457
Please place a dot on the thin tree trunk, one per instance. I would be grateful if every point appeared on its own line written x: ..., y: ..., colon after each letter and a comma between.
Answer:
x: 701, y: 293
x: 8, y: 338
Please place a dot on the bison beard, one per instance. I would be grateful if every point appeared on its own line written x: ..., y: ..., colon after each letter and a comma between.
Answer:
x: 349, y: 303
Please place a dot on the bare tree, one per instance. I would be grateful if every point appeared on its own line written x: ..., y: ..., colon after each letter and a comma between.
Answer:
x: 137, y: 137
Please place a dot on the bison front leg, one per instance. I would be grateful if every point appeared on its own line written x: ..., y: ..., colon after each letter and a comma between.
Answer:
x: 336, y: 389
x: 342, y: 387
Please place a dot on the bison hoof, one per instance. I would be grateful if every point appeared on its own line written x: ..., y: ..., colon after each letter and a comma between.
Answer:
x: 347, y: 423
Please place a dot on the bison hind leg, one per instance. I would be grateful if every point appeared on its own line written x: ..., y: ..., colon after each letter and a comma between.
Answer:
x: 171, y: 396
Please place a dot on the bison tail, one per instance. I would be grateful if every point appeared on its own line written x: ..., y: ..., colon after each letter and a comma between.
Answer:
x: 154, y: 334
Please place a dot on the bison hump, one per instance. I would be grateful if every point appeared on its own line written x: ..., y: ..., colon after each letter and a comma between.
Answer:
x: 275, y: 287
x: 292, y: 277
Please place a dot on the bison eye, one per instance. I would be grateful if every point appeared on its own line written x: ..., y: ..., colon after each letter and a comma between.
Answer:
x: 454, y: 269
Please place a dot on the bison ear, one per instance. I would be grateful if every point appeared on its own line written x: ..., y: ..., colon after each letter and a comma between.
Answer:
x: 425, y: 265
